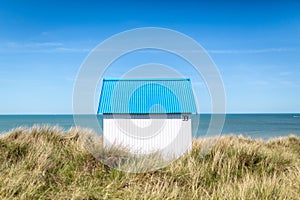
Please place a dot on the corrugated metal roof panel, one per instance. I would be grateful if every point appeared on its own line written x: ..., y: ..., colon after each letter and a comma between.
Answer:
x: 143, y: 96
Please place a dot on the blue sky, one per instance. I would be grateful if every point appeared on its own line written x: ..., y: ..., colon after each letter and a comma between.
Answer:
x: 255, y: 45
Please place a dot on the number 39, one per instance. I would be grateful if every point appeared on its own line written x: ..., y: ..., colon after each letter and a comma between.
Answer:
x: 185, y: 118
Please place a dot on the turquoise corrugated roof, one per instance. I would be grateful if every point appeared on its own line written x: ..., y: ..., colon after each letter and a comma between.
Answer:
x: 144, y: 96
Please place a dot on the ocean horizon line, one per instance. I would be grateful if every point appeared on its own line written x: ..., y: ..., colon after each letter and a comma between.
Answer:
x: 233, y: 113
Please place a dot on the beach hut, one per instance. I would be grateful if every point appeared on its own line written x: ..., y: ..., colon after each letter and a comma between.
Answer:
x: 148, y: 115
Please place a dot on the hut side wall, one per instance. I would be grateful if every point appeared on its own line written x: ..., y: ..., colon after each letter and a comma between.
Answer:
x: 170, y: 133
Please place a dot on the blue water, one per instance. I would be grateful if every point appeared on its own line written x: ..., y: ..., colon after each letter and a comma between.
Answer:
x: 254, y: 125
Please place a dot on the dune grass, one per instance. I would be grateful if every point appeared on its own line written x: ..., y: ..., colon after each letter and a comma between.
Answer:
x: 47, y: 163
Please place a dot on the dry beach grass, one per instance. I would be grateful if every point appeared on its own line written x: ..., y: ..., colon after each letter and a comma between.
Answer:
x: 47, y: 163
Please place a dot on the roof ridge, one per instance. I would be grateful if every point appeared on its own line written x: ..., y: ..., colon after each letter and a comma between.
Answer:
x: 146, y: 79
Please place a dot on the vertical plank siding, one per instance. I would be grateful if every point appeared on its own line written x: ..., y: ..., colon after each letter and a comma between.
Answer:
x: 170, y: 134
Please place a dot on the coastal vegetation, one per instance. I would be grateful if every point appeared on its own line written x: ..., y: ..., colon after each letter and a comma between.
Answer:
x: 49, y: 163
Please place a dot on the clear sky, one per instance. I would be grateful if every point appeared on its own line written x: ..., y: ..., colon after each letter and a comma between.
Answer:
x: 255, y: 45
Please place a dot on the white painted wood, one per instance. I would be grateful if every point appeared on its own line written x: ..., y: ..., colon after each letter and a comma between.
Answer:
x: 170, y: 134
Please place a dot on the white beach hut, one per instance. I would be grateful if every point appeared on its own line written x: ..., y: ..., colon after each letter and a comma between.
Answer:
x: 148, y: 115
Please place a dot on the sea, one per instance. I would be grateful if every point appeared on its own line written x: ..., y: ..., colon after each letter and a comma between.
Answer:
x: 264, y: 126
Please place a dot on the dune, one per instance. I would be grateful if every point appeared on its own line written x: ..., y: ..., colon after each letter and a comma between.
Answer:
x: 49, y: 163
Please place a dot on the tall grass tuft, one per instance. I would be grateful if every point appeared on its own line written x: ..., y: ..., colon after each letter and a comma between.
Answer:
x: 48, y: 163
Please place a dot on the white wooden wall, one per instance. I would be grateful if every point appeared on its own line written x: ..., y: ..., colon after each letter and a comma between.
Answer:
x: 170, y: 134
